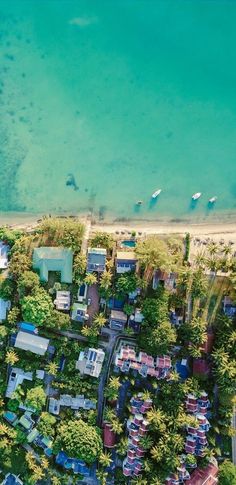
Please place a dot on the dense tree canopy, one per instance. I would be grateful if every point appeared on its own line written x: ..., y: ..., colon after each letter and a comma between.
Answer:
x: 79, y: 440
x: 37, y: 308
x: 36, y: 397
x: 227, y: 473
x: 27, y: 282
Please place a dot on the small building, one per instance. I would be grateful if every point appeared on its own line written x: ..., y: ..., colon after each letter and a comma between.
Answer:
x: 168, y: 280
x: 90, y: 362
x: 11, y: 479
x: 229, y: 308
x: 117, y: 320
x: 4, y: 307
x: 136, y: 320
x: 125, y: 261
x: 204, y: 476
x: 96, y: 260
x: 79, y: 312
x: 4, y: 250
x: 75, y: 403
x: 109, y: 437
x: 26, y: 421
x: 33, y: 343
x: 28, y: 327
x: 47, y: 259
x: 62, y: 301
x: 182, y: 367
x: 17, y: 376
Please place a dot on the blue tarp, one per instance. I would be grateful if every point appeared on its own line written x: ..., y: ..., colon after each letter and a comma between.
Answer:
x: 27, y: 327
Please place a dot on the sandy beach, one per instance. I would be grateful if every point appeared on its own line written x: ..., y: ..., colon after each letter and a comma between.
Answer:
x: 216, y: 231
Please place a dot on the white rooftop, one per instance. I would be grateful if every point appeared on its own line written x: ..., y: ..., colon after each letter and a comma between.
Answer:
x: 33, y: 343
x: 17, y: 376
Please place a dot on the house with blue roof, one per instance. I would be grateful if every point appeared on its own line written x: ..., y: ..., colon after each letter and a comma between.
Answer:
x: 47, y: 259
x: 96, y: 260
x: 11, y: 479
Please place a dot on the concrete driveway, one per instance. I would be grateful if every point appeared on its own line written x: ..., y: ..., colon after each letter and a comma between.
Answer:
x: 94, y: 296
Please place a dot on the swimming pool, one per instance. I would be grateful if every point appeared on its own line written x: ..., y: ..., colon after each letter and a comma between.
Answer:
x: 129, y: 243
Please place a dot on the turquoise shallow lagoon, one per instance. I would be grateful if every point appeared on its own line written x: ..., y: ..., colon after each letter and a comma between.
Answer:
x: 126, y: 96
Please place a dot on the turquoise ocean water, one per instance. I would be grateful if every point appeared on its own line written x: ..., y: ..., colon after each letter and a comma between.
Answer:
x: 127, y: 96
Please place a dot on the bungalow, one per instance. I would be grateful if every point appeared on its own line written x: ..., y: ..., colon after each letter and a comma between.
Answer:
x: 4, y: 307
x: 96, y: 260
x: 33, y: 343
x: 90, y: 362
x: 182, y: 367
x: 229, y: 307
x: 11, y: 479
x: 4, y: 250
x: 168, y: 280
x: 204, y: 476
x: 28, y: 327
x: 79, y: 312
x: 136, y: 320
x: 47, y: 259
x: 125, y: 261
x: 26, y: 421
x: 62, y: 301
x: 75, y: 403
x: 17, y: 376
x: 117, y: 320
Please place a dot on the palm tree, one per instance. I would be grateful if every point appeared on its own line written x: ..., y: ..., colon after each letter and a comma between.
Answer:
x: 146, y: 442
x: 122, y: 446
x: 226, y: 250
x: 11, y: 357
x: 153, y: 253
x: 114, y: 383
x: 52, y: 368
x: 139, y: 481
x: 106, y: 278
x: 156, y: 453
x: 90, y: 279
x: 109, y: 415
x: 200, y: 259
x: 105, y: 459
x: 3, y: 429
x: 38, y: 473
x: 116, y: 426
x: 55, y: 480
x: 156, y: 417
x: 102, y: 477
x: 212, y: 248
x: 99, y: 320
x: 44, y: 463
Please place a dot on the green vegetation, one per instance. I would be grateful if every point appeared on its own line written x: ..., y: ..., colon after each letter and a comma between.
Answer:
x: 79, y: 439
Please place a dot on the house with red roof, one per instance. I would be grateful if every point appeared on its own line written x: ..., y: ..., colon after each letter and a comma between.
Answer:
x: 109, y: 437
x: 204, y: 476
x: 146, y: 365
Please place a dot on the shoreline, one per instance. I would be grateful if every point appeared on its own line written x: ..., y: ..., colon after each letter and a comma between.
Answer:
x: 218, y: 230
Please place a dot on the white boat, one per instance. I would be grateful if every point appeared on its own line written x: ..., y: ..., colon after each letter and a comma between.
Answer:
x: 212, y: 200
x: 155, y: 194
x: 139, y: 202
x: 196, y: 196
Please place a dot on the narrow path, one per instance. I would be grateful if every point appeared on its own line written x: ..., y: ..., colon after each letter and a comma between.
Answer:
x: 84, y: 244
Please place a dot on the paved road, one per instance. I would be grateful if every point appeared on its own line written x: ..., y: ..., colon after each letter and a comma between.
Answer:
x: 234, y: 438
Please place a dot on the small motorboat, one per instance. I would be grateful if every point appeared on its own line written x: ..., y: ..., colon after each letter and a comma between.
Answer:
x: 156, y: 193
x: 139, y: 202
x: 196, y: 196
x: 212, y: 200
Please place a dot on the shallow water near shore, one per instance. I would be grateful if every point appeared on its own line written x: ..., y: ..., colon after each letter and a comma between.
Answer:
x: 103, y: 102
